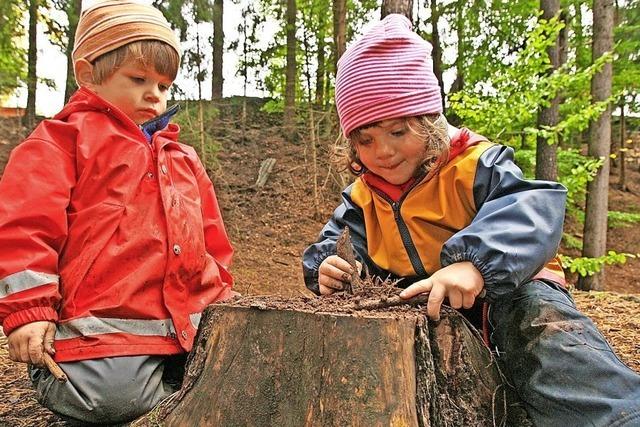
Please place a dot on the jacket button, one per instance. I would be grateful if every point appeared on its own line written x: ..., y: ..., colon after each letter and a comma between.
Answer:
x: 150, y: 175
x: 163, y: 168
x: 184, y: 334
x: 177, y: 249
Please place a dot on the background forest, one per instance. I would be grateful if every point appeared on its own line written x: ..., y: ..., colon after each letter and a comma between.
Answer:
x: 557, y: 80
x: 543, y: 77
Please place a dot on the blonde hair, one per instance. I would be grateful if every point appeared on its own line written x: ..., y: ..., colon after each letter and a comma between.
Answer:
x: 431, y: 128
x: 147, y: 53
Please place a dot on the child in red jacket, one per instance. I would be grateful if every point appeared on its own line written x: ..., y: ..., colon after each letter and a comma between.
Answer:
x: 111, y: 235
x: 449, y: 214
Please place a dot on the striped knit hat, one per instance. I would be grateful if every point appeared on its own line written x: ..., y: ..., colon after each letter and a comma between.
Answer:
x: 386, y: 74
x: 110, y: 24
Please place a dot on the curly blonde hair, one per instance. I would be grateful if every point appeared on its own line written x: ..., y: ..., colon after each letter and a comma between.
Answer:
x: 431, y: 128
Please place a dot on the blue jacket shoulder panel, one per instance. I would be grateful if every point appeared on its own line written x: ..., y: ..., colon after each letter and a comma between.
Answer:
x: 517, y: 228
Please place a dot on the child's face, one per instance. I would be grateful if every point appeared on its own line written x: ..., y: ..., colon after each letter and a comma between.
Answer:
x: 391, y: 150
x: 139, y: 92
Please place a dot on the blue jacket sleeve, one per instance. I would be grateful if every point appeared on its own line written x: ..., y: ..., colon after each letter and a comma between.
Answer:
x: 517, y: 228
x: 347, y: 214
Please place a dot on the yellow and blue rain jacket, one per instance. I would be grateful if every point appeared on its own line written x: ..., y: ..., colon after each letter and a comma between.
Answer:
x: 478, y: 208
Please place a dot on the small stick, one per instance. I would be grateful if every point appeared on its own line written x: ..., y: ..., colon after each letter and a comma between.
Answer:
x: 344, y: 249
x: 53, y: 367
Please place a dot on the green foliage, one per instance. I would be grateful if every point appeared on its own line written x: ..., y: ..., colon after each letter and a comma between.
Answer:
x: 622, y: 219
x: 13, y: 65
x: 505, y: 104
x: 571, y: 242
x: 589, y: 266
x: 574, y: 172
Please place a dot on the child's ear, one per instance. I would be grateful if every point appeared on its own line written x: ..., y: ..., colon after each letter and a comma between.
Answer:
x: 83, y: 71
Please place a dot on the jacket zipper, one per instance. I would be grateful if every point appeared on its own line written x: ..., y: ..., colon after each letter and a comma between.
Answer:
x: 409, y: 246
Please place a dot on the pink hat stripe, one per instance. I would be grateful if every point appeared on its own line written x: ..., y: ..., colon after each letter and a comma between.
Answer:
x: 387, y: 73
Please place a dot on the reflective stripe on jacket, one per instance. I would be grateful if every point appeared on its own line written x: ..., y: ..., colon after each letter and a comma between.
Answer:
x: 478, y: 208
x: 102, y: 229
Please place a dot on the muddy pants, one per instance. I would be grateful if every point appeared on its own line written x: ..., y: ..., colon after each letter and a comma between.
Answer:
x: 559, y: 363
x: 108, y: 391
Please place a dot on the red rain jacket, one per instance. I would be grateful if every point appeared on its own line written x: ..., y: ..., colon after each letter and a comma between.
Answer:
x: 117, y: 240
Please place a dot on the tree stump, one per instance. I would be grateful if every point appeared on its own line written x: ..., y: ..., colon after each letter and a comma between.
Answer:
x: 269, y: 361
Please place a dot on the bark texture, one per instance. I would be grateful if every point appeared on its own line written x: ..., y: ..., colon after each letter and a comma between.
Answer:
x: 595, y: 222
x: 272, y: 367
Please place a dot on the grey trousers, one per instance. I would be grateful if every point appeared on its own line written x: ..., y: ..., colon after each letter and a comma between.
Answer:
x: 561, y: 366
x: 105, y: 391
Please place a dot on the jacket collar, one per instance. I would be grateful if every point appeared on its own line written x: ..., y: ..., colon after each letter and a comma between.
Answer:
x: 84, y: 100
x: 462, y: 140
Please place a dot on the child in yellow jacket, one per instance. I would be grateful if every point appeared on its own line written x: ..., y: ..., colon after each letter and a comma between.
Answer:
x: 447, y: 212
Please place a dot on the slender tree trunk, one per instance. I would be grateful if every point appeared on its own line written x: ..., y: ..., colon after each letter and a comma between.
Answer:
x: 32, y: 78
x: 458, y: 83
x: 218, y: 48
x: 563, y: 52
x: 339, y: 30
x: 320, y: 58
x: 622, y: 182
x: 74, y: 8
x: 437, y: 49
x: 595, y: 224
x: 546, y: 154
x: 403, y: 7
x: 290, y: 85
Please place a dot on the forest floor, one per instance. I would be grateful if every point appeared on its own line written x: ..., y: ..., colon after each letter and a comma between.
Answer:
x: 270, y: 227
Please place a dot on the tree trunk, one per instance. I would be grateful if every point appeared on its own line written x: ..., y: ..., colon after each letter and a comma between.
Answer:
x: 29, y: 119
x: 290, y: 85
x: 403, y: 7
x: 595, y: 223
x: 259, y: 365
x: 339, y: 30
x: 622, y: 181
x: 218, y: 49
x: 74, y: 8
x: 546, y: 153
x: 320, y: 58
x: 437, y: 49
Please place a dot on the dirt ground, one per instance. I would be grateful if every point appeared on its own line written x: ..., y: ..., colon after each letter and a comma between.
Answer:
x: 271, y: 226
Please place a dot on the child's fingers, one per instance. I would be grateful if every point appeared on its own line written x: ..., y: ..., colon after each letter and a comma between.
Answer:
x: 468, y: 299
x: 436, y: 297
x: 49, y: 338
x: 455, y: 298
x: 35, y: 349
x: 331, y: 283
x: 421, y: 287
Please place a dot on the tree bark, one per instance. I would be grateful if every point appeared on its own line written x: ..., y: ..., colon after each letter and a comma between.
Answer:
x: 339, y: 30
x: 74, y: 7
x: 595, y: 223
x: 403, y: 7
x: 622, y: 181
x: 546, y: 153
x: 29, y: 119
x: 320, y: 58
x: 290, y: 84
x: 437, y: 49
x: 263, y: 366
x: 218, y: 48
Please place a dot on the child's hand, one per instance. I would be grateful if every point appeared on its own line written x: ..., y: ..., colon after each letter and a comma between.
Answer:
x: 333, y: 273
x: 29, y: 342
x: 461, y: 283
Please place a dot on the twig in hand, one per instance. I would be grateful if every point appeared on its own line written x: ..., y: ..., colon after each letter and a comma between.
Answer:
x: 344, y: 249
x: 53, y: 367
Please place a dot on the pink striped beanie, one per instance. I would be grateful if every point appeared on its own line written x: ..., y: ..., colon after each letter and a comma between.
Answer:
x: 386, y: 74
